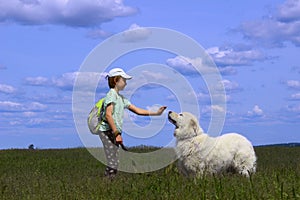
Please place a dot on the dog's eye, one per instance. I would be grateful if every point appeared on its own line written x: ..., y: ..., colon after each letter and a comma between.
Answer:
x: 180, y: 114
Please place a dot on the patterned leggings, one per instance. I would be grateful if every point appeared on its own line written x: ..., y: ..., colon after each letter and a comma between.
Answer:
x: 111, y: 152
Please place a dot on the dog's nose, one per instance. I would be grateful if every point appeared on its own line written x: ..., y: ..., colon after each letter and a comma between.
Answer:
x: 170, y: 112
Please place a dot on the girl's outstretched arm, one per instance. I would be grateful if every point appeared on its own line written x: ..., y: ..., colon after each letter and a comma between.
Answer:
x: 140, y: 111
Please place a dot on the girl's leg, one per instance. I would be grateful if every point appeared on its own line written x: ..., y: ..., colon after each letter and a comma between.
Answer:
x: 111, y: 153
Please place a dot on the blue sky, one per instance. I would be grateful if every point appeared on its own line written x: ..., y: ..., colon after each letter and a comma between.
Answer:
x: 254, y: 44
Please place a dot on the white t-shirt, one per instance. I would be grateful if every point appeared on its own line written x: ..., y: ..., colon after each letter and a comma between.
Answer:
x: 120, y: 103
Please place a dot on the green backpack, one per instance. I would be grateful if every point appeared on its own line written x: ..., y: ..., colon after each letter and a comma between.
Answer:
x: 96, y: 117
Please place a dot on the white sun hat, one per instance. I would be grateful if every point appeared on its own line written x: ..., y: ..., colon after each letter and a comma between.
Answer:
x: 118, y: 72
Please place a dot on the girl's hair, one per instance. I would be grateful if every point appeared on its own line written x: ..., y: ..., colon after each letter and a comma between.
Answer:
x: 113, y: 80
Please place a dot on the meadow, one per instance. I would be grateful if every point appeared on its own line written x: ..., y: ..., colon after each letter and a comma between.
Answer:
x: 75, y: 174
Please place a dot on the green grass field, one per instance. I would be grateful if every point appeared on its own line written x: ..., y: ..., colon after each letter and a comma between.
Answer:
x: 75, y: 174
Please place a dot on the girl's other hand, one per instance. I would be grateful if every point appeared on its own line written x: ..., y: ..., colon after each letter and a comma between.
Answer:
x: 119, y: 139
x: 161, y: 110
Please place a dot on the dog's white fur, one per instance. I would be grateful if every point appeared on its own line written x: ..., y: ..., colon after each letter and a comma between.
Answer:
x: 199, y: 153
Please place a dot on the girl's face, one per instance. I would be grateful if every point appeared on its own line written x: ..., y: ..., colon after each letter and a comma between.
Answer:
x: 121, y: 83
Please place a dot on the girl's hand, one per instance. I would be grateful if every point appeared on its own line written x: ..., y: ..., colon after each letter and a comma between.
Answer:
x: 119, y: 139
x: 161, y: 110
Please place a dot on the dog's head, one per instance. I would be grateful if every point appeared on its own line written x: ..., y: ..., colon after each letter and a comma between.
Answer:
x: 186, y: 124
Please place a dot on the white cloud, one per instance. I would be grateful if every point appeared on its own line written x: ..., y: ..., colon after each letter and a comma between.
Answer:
x: 50, y: 98
x: 207, y: 110
x: 295, y: 96
x: 98, y: 33
x: 76, y: 13
x: 9, y: 106
x: 293, y: 84
x: 294, y: 108
x: 181, y: 64
x: 147, y: 79
x: 185, y: 66
x: 202, y: 97
x: 218, y: 108
x: 37, y: 121
x: 255, y: 112
x: 35, y: 106
x: 190, y: 66
x: 37, y: 81
x: 228, y: 56
x: 289, y: 11
x: 15, y: 122
x: 149, y: 75
x: 171, y: 97
x: 135, y: 33
x: 274, y: 31
x: 66, y: 81
x: 230, y: 86
x: 86, y: 80
x: 180, y: 61
x: 205, y: 98
x: 7, y: 89
x: 153, y: 108
x: 29, y: 114
x: 225, y: 71
x: 290, y: 113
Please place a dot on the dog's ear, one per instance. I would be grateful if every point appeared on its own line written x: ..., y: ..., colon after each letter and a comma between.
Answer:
x: 194, y: 125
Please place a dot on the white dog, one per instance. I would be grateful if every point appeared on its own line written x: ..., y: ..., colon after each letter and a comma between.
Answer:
x: 199, y: 153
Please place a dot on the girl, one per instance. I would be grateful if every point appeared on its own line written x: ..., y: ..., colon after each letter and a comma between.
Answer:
x: 111, y: 127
